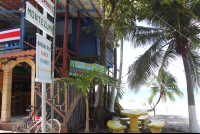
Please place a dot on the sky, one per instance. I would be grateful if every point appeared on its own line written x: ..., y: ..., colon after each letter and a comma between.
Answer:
x: 130, y: 54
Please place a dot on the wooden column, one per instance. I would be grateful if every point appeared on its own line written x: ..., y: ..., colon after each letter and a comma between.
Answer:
x: 65, y: 42
x: 78, y: 29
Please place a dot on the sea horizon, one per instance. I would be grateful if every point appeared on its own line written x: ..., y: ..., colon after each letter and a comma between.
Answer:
x: 143, y: 95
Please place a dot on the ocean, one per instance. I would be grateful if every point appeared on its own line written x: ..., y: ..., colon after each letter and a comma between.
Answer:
x: 143, y: 95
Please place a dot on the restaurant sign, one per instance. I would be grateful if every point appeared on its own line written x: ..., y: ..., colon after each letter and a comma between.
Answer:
x: 81, y: 66
x: 47, y: 5
x: 43, y: 59
x: 36, y: 18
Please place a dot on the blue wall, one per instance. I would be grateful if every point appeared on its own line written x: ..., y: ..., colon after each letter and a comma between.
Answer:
x: 87, y: 41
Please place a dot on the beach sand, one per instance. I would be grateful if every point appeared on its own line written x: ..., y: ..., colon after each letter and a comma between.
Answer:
x: 175, y: 115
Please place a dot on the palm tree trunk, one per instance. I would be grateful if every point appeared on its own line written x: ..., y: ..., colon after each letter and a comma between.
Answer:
x: 120, y: 66
x: 193, y: 124
x: 103, y: 46
x: 112, y: 99
x: 158, y: 99
x: 155, y: 105
x: 87, y: 116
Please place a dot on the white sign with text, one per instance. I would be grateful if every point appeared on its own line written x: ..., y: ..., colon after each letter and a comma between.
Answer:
x: 43, y: 59
x: 47, y: 5
x: 36, y: 18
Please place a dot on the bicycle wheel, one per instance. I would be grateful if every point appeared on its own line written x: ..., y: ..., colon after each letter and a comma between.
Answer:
x: 19, y: 126
x: 29, y: 128
x: 56, y: 125
x: 39, y: 128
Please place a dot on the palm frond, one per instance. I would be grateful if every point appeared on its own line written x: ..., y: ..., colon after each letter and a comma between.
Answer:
x: 170, y: 54
x: 195, y: 67
x: 170, y: 96
x: 140, y: 71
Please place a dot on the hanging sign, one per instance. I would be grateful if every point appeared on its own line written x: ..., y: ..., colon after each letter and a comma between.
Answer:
x: 43, y: 59
x: 81, y: 66
x: 36, y: 18
x: 47, y: 5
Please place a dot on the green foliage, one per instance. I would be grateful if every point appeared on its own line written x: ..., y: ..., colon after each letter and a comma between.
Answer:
x: 168, y: 2
x: 121, y: 89
x: 165, y: 85
x: 88, y: 79
x: 171, y: 34
x: 117, y: 107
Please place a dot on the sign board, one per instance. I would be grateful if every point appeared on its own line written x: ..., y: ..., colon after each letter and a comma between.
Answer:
x: 47, y: 5
x: 36, y: 18
x: 43, y: 59
x: 80, y: 66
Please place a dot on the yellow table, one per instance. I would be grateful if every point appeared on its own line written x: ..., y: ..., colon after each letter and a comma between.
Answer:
x: 133, y: 115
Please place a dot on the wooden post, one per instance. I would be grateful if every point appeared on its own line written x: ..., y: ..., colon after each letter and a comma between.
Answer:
x: 58, y: 95
x: 66, y: 101
x: 105, y: 93
x: 65, y: 42
x: 51, y: 89
x: 78, y: 29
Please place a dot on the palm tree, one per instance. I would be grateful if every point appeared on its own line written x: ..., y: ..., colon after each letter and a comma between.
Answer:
x: 112, y: 97
x: 172, y: 35
x: 85, y: 82
x: 120, y: 65
x: 166, y: 85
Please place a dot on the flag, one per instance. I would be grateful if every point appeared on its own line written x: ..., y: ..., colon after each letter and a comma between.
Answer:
x: 10, y: 35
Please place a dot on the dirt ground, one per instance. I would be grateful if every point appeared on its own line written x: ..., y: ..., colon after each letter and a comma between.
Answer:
x: 105, y: 130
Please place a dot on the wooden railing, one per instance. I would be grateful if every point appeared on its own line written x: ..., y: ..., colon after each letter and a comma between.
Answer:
x: 69, y: 108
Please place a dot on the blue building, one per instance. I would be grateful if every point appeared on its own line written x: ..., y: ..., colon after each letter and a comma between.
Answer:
x: 18, y: 51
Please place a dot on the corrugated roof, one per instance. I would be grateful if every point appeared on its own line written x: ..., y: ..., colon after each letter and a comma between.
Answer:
x: 18, y: 54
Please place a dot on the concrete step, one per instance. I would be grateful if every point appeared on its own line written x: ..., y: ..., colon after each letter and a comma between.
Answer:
x: 5, y: 131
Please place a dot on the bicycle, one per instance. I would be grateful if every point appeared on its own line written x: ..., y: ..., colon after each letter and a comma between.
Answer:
x: 26, y: 124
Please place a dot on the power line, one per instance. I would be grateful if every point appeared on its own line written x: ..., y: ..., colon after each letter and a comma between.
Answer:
x: 145, y: 34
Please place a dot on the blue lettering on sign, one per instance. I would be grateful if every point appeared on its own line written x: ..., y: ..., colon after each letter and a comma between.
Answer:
x: 83, y: 66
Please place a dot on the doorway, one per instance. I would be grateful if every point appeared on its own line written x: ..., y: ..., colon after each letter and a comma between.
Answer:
x: 21, y: 89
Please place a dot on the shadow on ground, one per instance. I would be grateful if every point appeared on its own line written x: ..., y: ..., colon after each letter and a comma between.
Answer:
x: 105, y: 130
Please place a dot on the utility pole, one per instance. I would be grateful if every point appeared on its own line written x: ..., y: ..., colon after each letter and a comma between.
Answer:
x: 54, y: 41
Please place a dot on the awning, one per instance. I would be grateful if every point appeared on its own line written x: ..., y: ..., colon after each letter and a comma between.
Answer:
x: 18, y: 54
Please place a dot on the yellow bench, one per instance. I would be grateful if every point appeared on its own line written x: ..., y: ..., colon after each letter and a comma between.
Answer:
x: 156, y: 126
x: 142, y: 119
x: 115, y: 126
x: 123, y: 120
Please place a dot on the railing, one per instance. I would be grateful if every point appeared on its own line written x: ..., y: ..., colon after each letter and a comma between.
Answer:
x: 109, y: 56
x: 69, y: 108
x: 31, y: 40
x: 9, y: 48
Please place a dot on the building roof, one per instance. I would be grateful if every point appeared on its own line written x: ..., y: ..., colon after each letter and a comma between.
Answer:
x: 10, y: 13
x: 18, y: 54
x: 87, y: 8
